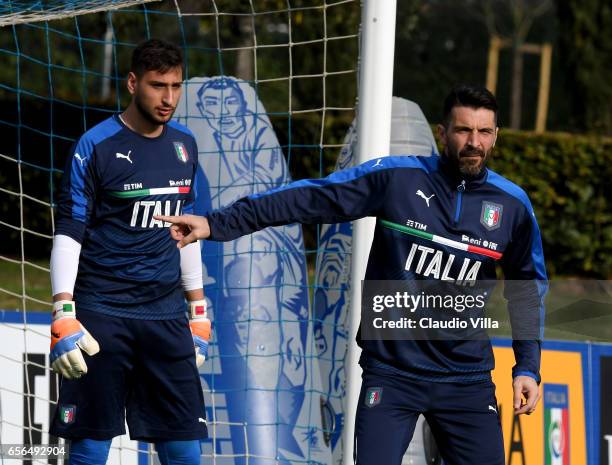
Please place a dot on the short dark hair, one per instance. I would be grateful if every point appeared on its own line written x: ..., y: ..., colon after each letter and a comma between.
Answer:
x: 468, y: 95
x: 224, y: 83
x: 155, y: 55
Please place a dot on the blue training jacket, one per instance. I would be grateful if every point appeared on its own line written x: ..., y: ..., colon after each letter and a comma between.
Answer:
x: 115, y: 181
x: 424, y: 194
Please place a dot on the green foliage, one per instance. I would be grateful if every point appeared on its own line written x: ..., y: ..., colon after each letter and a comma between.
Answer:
x: 63, y: 60
x: 567, y: 178
x: 586, y: 45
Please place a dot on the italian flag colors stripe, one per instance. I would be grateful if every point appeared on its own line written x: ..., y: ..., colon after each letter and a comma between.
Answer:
x: 154, y: 191
x: 441, y: 240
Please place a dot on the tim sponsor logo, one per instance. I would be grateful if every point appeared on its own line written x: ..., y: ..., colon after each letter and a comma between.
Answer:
x: 132, y: 186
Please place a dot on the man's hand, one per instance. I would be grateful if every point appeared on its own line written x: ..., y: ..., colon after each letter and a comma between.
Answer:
x: 68, y: 338
x: 200, y: 330
x: 186, y: 228
x: 525, y: 386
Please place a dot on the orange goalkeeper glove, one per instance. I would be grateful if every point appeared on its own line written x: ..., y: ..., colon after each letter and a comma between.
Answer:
x: 200, y: 330
x: 68, y: 338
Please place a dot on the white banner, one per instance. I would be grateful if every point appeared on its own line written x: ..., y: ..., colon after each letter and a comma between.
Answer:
x: 25, y: 394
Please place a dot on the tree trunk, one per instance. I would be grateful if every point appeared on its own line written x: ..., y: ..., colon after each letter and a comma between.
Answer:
x: 107, y: 66
x: 517, y: 87
x: 244, y: 63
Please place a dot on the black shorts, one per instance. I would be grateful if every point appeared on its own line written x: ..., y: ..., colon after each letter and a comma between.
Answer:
x: 463, y: 419
x: 145, y: 370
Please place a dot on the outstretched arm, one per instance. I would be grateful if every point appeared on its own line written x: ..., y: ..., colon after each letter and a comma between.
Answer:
x: 343, y: 196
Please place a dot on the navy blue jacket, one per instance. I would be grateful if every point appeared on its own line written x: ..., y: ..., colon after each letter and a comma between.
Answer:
x: 489, y: 213
x: 115, y: 181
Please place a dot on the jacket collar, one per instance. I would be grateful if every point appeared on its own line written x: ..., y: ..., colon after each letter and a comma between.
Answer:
x: 456, y: 179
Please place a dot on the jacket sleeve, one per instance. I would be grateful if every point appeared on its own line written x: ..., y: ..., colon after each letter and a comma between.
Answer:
x: 525, y: 288
x: 343, y: 196
x: 77, y: 191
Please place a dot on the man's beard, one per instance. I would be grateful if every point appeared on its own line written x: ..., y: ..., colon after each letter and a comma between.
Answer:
x: 469, y: 162
x: 149, y: 116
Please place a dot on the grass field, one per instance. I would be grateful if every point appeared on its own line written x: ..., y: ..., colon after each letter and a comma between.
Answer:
x: 37, y: 286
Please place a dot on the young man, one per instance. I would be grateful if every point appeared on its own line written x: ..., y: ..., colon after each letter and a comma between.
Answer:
x: 114, y: 261
x: 450, y: 197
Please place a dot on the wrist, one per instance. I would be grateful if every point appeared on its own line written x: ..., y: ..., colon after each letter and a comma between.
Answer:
x: 527, y: 373
x: 194, y: 292
x: 63, y: 309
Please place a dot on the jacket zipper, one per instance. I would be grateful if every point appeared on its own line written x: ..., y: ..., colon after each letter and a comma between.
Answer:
x: 460, y: 191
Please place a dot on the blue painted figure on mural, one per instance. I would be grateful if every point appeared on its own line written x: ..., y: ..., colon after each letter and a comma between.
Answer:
x: 257, y: 285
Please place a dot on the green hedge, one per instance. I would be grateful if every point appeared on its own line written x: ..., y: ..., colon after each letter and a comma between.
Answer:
x: 568, y: 179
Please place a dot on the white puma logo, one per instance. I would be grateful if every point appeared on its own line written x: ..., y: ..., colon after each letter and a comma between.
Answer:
x: 127, y: 157
x: 201, y: 420
x: 420, y: 194
x: 81, y: 159
x: 492, y: 408
x: 378, y: 163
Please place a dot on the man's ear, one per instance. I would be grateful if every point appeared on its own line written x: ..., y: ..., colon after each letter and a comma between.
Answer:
x: 131, y: 82
x: 442, y: 133
x: 495, y: 140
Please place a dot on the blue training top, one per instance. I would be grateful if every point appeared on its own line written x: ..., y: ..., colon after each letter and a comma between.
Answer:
x: 477, y: 223
x: 115, y: 181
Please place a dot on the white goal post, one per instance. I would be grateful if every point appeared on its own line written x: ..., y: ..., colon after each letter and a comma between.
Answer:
x: 373, y: 136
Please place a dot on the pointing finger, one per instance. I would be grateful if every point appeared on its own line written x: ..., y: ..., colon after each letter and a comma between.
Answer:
x: 169, y: 219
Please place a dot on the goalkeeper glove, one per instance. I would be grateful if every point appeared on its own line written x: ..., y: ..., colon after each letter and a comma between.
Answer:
x: 68, y: 338
x: 200, y: 330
